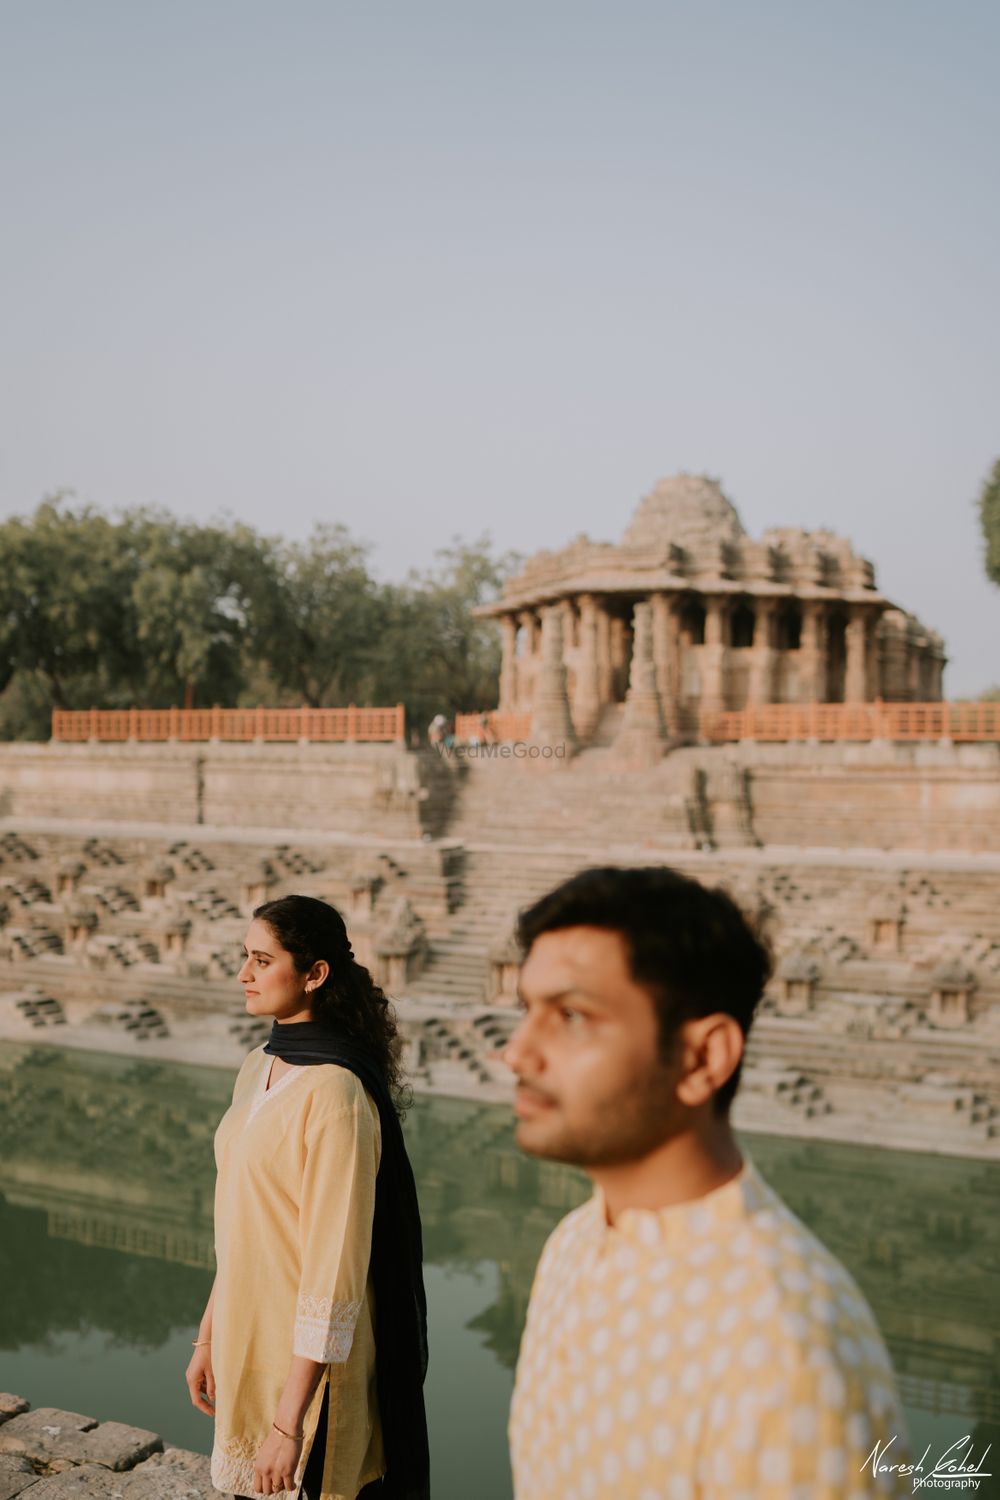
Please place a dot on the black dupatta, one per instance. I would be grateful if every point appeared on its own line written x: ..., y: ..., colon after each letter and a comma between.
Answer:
x: 396, y: 1263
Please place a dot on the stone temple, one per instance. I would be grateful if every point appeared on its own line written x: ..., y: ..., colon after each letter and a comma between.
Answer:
x: 692, y: 615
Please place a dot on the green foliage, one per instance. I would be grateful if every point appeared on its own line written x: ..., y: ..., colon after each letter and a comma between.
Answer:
x: 989, y: 519
x: 149, y: 610
x: 191, y: 599
x: 140, y: 610
x: 317, y: 616
x: 63, y: 597
x: 431, y: 653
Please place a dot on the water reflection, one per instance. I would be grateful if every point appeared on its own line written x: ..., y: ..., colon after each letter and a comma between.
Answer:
x: 107, y: 1183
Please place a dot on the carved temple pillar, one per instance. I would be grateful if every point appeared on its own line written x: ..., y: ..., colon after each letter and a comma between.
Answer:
x: 551, y: 723
x: 508, y: 662
x: 873, y: 663
x: 527, y: 664
x: 812, y: 653
x: 713, y: 659
x: 857, y: 671
x: 760, y: 686
x: 605, y: 667
x: 913, y: 664
x: 619, y: 658
x: 642, y: 739
x: 587, y: 700
x: 667, y: 659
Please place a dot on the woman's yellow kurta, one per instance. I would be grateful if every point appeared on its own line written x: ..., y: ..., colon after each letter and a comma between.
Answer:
x: 294, y: 1199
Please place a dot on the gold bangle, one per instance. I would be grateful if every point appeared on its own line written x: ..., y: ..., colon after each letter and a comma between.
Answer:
x: 296, y: 1438
x: 196, y: 1342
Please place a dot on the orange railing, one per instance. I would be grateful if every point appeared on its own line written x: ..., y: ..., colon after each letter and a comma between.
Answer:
x: 501, y: 726
x: 231, y: 724
x: 961, y: 722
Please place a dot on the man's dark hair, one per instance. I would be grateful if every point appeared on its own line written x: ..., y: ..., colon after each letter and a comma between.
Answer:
x: 689, y: 946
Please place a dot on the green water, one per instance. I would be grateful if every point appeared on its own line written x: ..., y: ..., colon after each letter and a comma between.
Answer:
x: 106, y: 1189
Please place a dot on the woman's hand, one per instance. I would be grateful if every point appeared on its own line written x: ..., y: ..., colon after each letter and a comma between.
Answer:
x: 201, y: 1381
x: 274, y: 1466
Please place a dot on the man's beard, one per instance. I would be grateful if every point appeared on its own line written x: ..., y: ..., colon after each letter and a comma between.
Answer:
x: 621, y: 1130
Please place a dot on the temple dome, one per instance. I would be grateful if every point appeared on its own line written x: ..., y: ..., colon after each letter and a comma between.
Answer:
x: 689, y: 510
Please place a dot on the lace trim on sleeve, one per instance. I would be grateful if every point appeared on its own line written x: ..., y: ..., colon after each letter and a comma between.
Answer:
x: 324, y: 1329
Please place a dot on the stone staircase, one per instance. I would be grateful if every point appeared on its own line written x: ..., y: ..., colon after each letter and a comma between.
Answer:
x: 584, y: 802
x: 498, y: 883
x: 607, y: 729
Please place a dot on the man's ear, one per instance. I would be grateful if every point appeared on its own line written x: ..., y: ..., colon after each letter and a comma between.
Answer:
x: 712, y: 1049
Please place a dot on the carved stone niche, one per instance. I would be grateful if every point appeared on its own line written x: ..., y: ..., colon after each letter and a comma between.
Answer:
x: 172, y: 935
x: 365, y: 886
x: 69, y: 873
x: 156, y: 880
x: 42, y: 937
x: 368, y: 880
x: 505, y: 958
x: 80, y: 921
x: 755, y: 905
x: 885, y: 916
x: 400, y: 945
x: 258, y: 882
x: 952, y: 987
x: 797, y: 976
x: 413, y: 1059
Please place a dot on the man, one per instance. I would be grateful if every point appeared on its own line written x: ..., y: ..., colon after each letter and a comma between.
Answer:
x: 687, y: 1337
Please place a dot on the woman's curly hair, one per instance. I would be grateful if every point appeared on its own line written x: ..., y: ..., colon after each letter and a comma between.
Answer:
x: 310, y: 930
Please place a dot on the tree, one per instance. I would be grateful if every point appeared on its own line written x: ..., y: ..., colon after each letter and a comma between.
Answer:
x: 989, y: 519
x: 432, y: 654
x: 149, y: 610
x: 193, y: 595
x: 65, y: 623
x: 141, y: 609
x: 314, y: 622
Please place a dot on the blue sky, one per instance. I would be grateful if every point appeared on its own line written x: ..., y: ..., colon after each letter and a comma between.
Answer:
x: 437, y: 268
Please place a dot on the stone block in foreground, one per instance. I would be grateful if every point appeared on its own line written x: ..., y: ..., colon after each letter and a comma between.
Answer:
x: 49, y: 1435
x: 174, y: 1474
x: 78, y: 1482
x: 12, y: 1406
x: 16, y: 1474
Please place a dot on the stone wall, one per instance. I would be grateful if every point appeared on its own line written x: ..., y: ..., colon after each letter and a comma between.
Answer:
x: 883, y: 796
x: 142, y: 783
x: 927, y: 797
x: 920, y: 797
x: 378, y: 789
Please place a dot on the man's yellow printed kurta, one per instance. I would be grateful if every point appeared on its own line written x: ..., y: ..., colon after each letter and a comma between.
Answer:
x: 294, y: 1199
x: 710, y: 1351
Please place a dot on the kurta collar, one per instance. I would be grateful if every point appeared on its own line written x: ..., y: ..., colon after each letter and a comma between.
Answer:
x: 262, y: 1094
x: 683, y: 1223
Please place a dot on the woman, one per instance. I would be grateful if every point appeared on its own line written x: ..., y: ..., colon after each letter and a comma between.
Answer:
x: 317, y: 1236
